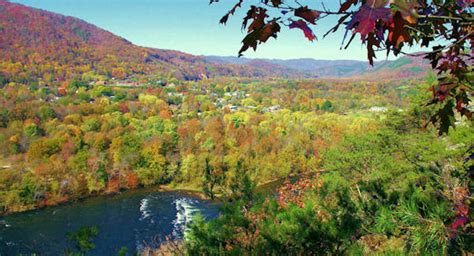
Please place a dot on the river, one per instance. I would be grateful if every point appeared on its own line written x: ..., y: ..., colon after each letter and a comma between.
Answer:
x: 132, y: 219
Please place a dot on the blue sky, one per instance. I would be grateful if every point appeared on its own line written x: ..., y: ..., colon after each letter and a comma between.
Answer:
x: 192, y: 26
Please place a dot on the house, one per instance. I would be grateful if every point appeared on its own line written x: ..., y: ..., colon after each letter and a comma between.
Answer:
x: 272, y: 109
x: 126, y: 84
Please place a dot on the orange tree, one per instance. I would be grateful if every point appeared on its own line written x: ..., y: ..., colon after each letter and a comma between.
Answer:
x: 446, y: 27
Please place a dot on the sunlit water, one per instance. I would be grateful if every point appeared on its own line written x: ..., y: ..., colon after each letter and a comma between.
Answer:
x: 132, y: 219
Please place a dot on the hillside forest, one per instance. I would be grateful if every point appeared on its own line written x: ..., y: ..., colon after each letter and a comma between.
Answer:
x: 359, y: 167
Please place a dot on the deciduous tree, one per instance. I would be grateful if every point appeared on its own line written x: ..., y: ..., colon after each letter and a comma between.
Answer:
x: 384, y: 25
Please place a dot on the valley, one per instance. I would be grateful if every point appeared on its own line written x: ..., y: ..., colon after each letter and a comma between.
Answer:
x: 80, y: 140
x: 109, y: 148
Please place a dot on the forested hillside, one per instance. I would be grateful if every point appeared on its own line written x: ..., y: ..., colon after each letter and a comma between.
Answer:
x: 47, y: 48
x: 354, y: 162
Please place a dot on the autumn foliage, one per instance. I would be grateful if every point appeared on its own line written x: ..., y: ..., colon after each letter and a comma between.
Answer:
x: 446, y: 28
x: 41, y: 47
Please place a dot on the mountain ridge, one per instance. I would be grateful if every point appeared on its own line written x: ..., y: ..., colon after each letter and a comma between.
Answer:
x: 336, y: 68
x: 49, y: 48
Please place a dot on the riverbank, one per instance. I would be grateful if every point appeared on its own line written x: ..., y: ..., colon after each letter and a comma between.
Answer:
x: 187, y: 188
x: 190, y: 189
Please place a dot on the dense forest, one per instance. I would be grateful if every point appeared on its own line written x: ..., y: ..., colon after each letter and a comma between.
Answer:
x: 366, y: 175
x: 359, y: 166
x: 392, y: 190
x: 86, y: 140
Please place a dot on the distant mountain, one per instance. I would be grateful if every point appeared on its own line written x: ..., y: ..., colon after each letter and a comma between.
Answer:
x: 310, y: 67
x: 403, y: 67
x: 52, y: 47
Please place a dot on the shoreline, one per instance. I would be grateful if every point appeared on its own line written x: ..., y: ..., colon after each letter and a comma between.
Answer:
x: 194, y: 192
x: 182, y: 188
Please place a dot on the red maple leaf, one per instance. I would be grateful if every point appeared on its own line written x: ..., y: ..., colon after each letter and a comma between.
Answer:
x: 363, y: 22
x: 260, y: 35
x: 307, y: 14
x: 346, y: 5
x: 398, y: 32
x: 301, y: 24
x: 258, y: 20
x: 269, y: 30
x: 371, y: 42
